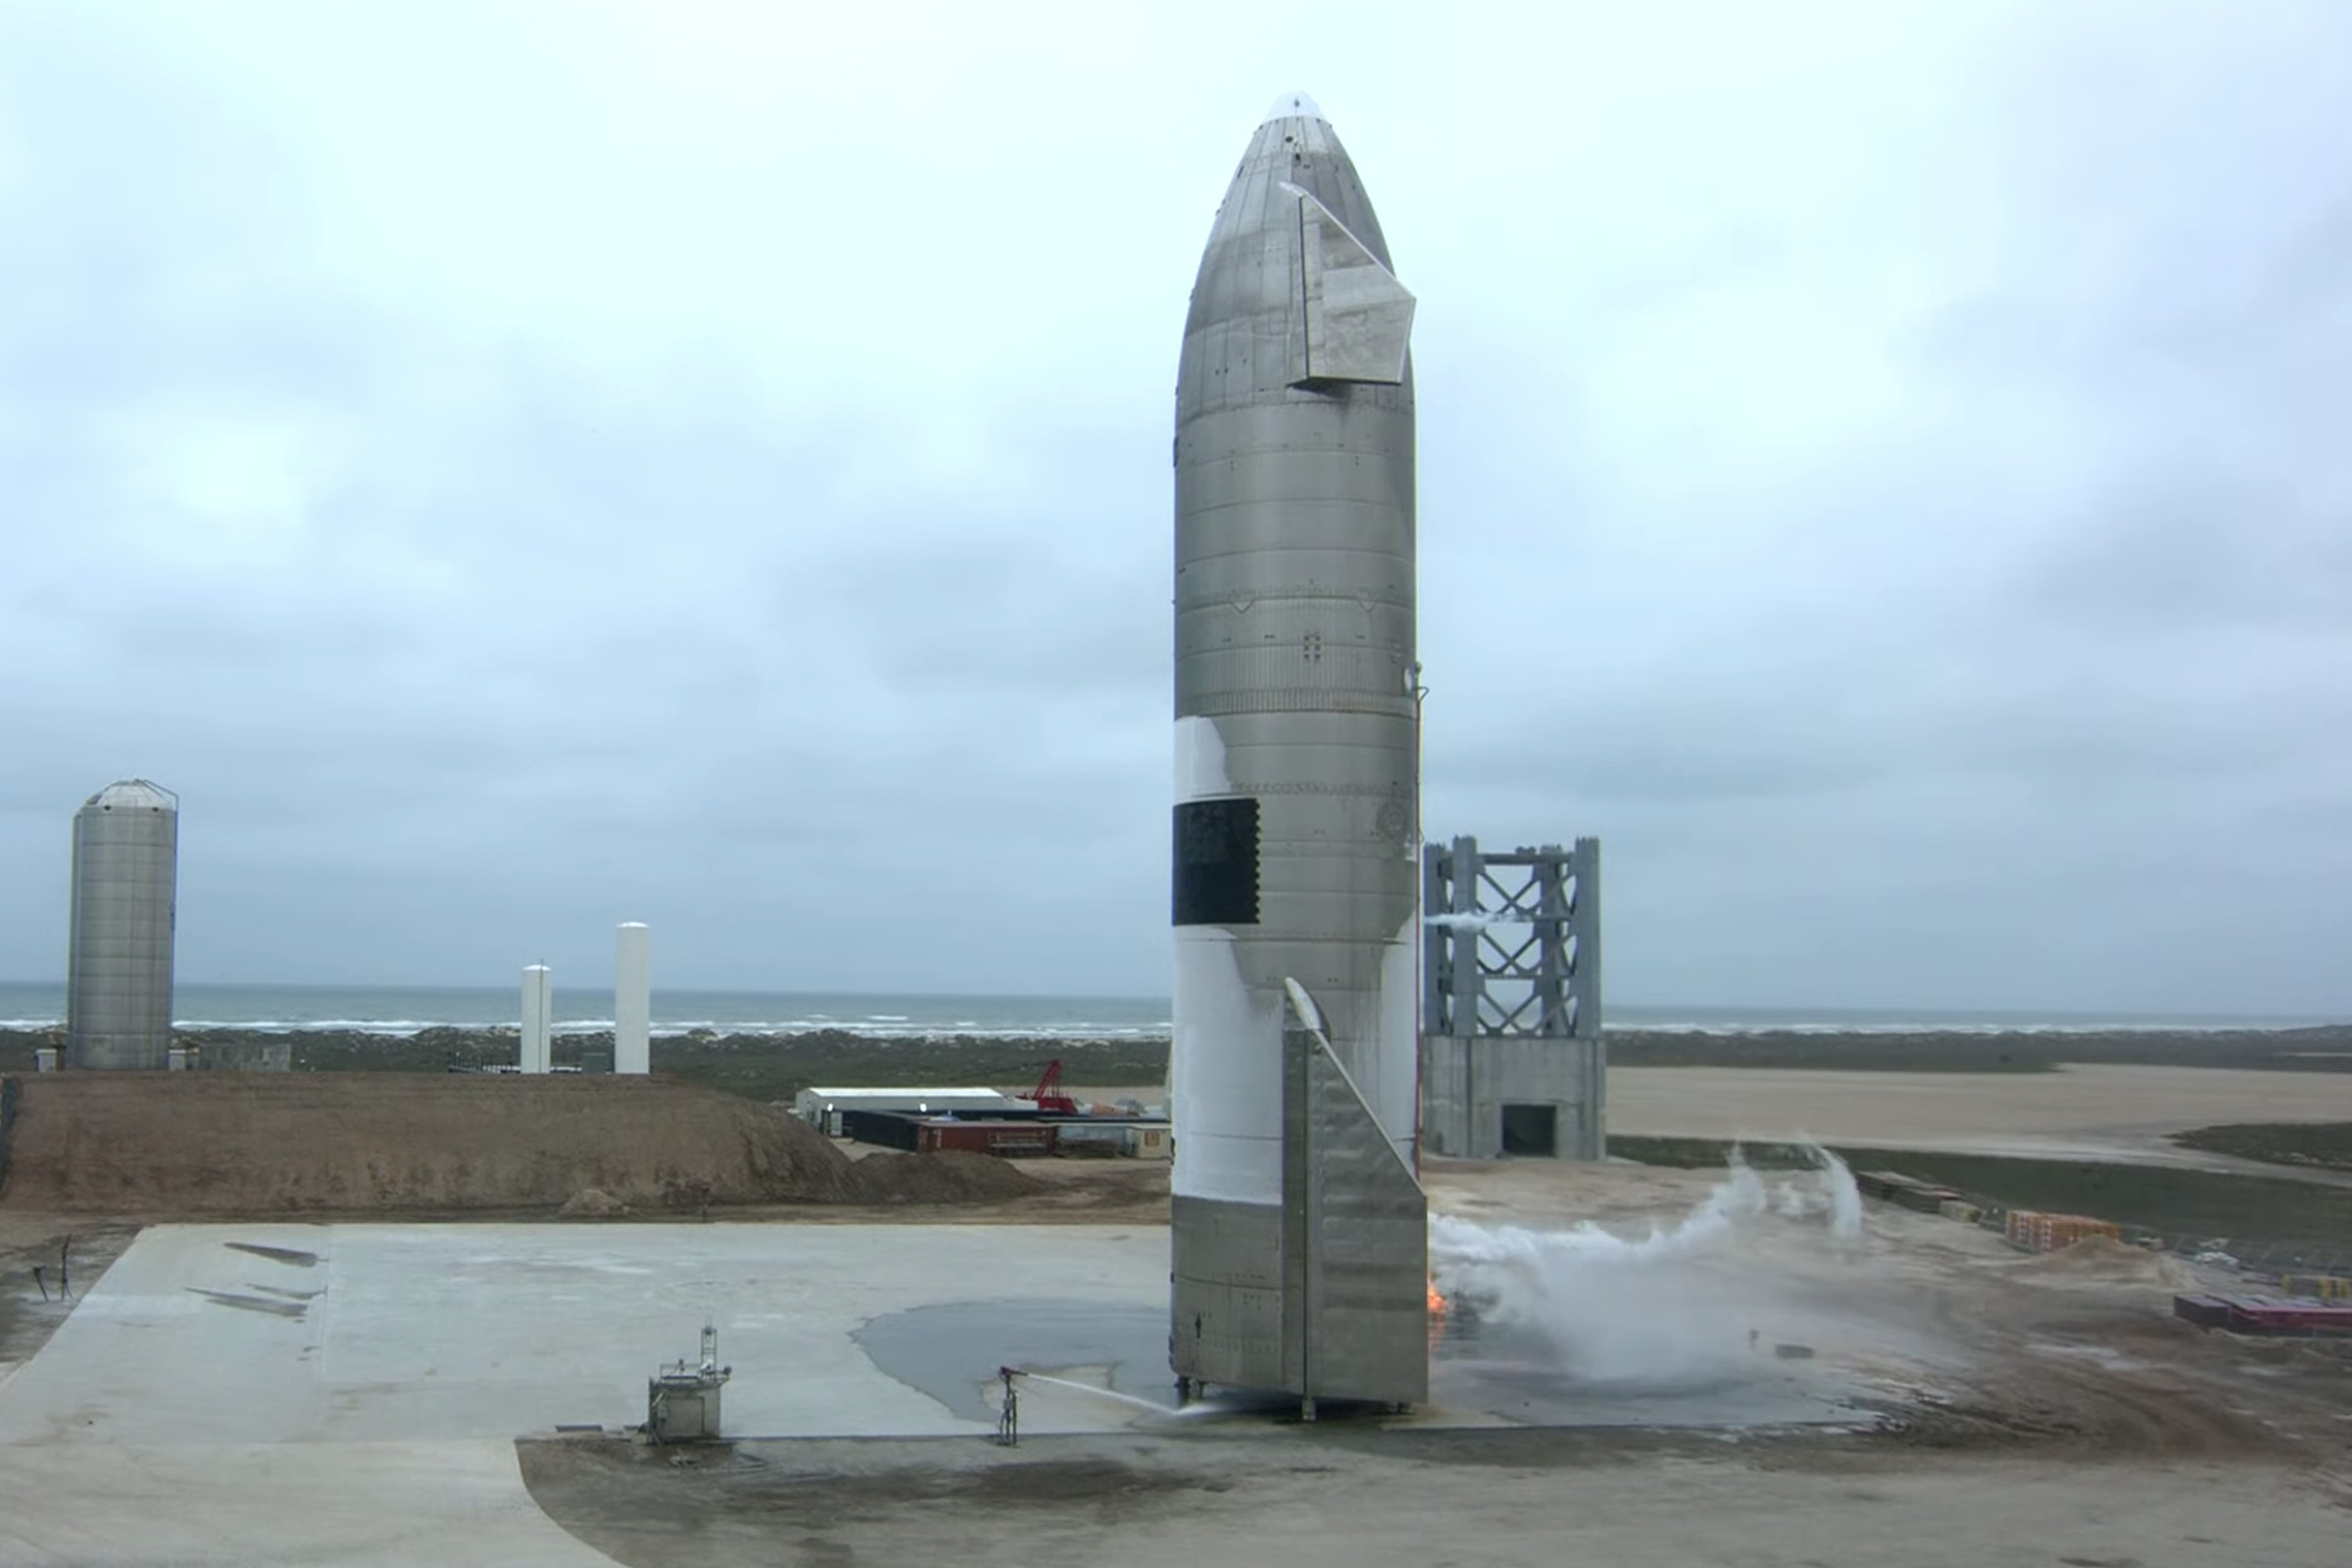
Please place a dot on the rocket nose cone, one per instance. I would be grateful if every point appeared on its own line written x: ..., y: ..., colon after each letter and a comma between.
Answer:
x: 1292, y: 106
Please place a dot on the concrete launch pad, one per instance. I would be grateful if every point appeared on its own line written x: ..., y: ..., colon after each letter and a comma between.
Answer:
x: 351, y: 1394
x: 368, y: 1334
x: 204, y: 1333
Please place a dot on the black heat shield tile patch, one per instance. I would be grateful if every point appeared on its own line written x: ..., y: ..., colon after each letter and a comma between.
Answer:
x: 1215, y: 863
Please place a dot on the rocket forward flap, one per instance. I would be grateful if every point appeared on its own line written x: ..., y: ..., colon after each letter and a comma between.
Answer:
x: 1358, y: 320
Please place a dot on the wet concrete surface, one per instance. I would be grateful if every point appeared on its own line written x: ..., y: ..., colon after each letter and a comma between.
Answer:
x: 1513, y: 1375
x: 366, y: 1355
x: 1482, y: 1373
x: 953, y: 1351
x: 292, y: 1256
x: 399, y: 1332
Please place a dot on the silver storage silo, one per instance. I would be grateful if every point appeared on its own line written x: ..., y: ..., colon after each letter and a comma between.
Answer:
x: 119, y: 959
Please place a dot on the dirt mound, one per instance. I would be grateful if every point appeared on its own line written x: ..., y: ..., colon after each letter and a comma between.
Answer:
x: 244, y: 1143
x: 2099, y: 1260
x: 358, y: 1143
x: 950, y: 1176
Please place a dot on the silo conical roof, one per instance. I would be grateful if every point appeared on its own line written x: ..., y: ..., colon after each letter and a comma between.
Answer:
x: 132, y: 795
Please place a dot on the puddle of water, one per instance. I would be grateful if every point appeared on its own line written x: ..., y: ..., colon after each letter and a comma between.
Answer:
x: 1489, y: 1369
x: 952, y: 1353
x: 1734, y: 1318
x: 251, y: 1303
x: 1517, y: 1372
x: 275, y: 1254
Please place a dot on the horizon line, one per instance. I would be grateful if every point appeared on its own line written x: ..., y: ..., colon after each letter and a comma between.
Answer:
x: 2086, y: 1014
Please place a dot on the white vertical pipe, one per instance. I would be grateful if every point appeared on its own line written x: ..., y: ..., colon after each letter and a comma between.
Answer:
x: 538, y: 993
x: 632, y: 998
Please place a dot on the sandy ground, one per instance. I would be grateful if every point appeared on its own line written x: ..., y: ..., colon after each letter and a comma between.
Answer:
x: 2091, y: 1112
x: 2120, y: 1113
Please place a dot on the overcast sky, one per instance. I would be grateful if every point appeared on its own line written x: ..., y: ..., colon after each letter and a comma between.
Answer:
x: 514, y: 467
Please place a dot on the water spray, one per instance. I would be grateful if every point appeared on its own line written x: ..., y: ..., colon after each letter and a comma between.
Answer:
x: 1008, y: 1421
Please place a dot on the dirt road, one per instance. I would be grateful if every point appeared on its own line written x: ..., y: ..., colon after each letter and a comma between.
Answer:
x: 1318, y: 1500
x: 2097, y: 1112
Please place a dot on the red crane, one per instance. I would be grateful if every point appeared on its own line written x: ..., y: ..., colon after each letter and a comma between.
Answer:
x: 1048, y: 1093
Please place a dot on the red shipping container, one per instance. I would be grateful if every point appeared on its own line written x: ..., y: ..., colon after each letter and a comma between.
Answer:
x: 2266, y: 1314
x: 1009, y: 1140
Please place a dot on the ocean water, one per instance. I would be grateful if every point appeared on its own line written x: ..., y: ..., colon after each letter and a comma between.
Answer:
x: 405, y: 1009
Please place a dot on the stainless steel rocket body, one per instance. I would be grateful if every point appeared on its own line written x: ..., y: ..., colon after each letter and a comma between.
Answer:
x: 1299, y: 1253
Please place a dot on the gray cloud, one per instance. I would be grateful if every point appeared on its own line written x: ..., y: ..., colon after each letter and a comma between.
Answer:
x: 1885, y: 489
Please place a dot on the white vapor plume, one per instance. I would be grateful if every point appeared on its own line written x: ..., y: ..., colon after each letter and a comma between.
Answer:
x: 1685, y: 1304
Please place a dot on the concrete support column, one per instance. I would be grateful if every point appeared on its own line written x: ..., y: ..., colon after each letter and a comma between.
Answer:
x: 538, y: 1006
x: 632, y: 999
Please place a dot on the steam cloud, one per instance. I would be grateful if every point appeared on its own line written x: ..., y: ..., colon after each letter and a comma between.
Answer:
x: 1684, y: 1305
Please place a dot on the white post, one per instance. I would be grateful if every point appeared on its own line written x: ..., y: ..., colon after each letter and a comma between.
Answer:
x: 632, y: 999
x: 538, y: 996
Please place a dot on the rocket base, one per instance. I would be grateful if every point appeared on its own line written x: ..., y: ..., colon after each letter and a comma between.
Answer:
x: 1324, y: 1294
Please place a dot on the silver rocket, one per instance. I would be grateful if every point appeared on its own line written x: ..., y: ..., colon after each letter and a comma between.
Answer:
x: 1299, y: 1240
